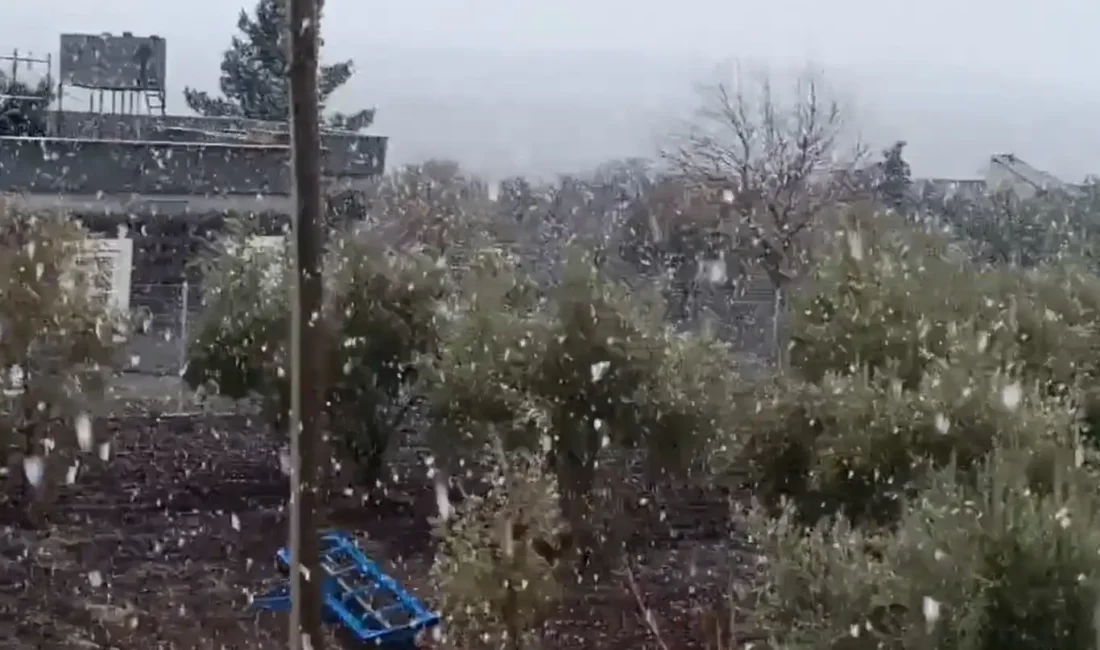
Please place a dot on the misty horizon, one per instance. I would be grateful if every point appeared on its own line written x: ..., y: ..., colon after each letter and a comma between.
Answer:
x: 531, y: 91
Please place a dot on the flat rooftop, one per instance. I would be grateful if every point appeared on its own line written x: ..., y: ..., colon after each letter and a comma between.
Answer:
x: 90, y: 154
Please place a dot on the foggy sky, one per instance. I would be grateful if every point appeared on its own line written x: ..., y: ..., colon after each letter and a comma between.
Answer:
x: 514, y: 86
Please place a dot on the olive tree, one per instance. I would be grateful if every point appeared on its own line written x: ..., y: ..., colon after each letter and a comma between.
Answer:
x: 58, y: 339
x: 583, y: 372
x: 380, y: 313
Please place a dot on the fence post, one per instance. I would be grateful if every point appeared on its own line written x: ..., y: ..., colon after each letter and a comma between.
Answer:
x: 184, y: 336
x: 779, y: 330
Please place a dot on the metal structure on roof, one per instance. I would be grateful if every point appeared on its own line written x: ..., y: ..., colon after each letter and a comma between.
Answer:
x: 11, y: 65
x: 126, y: 74
x: 1008, y: 172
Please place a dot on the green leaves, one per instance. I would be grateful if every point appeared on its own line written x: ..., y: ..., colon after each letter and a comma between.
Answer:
x: 254, y: 81
x: 926, y: 469
x: 381, y: 313
x: 497, y: 569
x: 972, y: 565
x: 57, y: 336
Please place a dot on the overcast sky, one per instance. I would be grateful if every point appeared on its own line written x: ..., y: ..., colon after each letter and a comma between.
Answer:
x: 540, y: 87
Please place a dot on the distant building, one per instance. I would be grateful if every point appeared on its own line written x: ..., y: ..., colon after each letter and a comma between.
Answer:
x: 1005, y: 173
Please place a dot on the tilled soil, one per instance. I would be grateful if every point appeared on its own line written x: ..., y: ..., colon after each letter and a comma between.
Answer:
x: 164, y: 544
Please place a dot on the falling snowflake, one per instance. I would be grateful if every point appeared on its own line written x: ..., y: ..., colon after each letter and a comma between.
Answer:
x: 83, y: 426
x: 442, y: 500
x: 930, y: 607
x: 600, y: 369
x: 34, y: 468
x: 285, y: 465
x: 943, y: 425
x: 855, y: 245
x: 1011, y: 396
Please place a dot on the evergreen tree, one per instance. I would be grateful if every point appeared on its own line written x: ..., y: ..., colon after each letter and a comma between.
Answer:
x: 896, y: 178
x: 254, y: 79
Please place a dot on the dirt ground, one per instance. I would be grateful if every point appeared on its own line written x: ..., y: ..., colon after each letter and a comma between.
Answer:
x: 163, y: 546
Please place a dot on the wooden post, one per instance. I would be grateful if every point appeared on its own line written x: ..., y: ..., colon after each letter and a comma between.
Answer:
x: 307, y: 396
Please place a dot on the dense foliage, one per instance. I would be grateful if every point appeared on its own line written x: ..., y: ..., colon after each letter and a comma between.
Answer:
x: 58, y: 338
x: 497, y: 569
x: 582, y: 372
x: 924, y: 468
x: 926, y: 474
x: 254, y: 80
x: 977, y: 565
x: 380, y: 313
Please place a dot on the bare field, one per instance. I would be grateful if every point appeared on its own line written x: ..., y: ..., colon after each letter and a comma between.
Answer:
x: 163, y: 546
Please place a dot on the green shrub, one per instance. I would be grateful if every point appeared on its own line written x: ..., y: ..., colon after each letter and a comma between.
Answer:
x: 586, y: 370
x: 972, y: 566
x: 893, y: 299
x: 58, y: 338
x: 238, y: 344
x: 693, y: 405
x: 895, y: 329
x: 1004, y: 228
x: 381, y: 309
x: 497, y: 567
x: 491, y: 344
x: 859, y: 446
x: 585, y: 373
x: 885, y: 299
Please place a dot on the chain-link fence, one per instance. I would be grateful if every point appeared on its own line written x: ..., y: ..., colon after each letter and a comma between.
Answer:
x: 170, y: 310
x: 167, y: 311
x: 751, y: 324
x: 753, y: 327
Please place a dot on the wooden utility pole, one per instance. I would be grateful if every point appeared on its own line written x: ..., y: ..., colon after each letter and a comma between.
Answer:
x: 307, y: 386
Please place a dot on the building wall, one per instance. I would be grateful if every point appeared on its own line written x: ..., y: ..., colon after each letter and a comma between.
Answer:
x: 347, y: 154
x: 89, y: 167
x: 171, y: 196
x: 159, y: 205
x: 81, y: 166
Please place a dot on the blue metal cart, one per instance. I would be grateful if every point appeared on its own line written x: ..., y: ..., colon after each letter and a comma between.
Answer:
x: 372, y: 606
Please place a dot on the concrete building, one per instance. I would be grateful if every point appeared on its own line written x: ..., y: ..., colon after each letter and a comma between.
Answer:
x: 161, y: 185
x: 171, y: 165
x: 168, y: 184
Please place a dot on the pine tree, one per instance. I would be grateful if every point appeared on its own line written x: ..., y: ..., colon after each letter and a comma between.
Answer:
x: 254, y: 81
x: 896, y: 177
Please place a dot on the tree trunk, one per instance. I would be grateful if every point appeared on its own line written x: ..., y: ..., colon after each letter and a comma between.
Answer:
x: 576, y: 476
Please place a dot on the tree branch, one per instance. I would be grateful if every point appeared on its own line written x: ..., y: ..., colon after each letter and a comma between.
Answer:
x: 647, y: 614
x: 778, y: 158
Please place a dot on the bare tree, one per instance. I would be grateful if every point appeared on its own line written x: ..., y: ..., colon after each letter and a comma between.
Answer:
x: 772, y: 160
